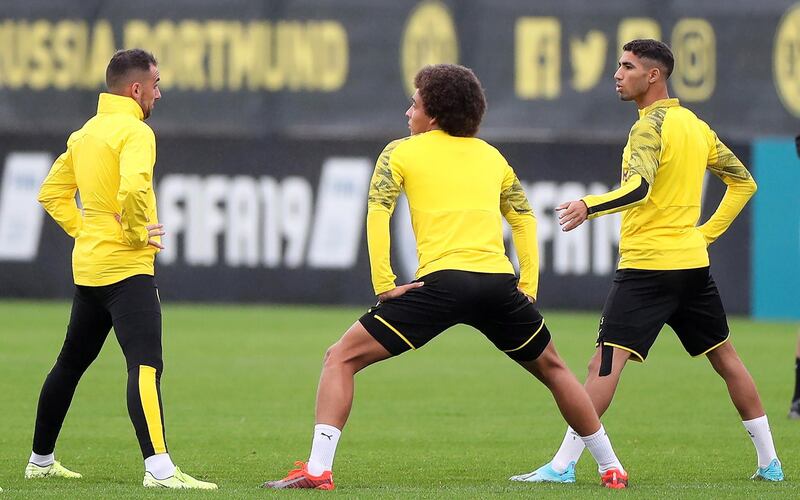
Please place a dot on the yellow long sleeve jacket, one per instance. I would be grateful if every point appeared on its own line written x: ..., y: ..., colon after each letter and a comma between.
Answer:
x: 109, y: 163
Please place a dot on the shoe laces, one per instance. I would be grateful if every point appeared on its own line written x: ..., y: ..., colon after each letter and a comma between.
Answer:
x: 613, y: 475
x: 301, y: 468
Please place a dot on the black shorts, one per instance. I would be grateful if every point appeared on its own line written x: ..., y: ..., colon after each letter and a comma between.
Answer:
x: 642, y: 301
x: 488, y: 302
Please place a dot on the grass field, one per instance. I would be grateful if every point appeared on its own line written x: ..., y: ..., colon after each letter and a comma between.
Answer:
x: 452, y: 420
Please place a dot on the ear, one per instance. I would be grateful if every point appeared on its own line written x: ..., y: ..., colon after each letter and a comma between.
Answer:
x: 136, y: 89
x: 654, y: 74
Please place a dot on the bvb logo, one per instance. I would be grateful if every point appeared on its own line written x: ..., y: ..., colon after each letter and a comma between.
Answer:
x: 786, y: 60
x: 429, y: 38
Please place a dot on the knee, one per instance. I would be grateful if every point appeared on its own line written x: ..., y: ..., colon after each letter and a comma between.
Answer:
x: 338, y: 357
x: 727, y: 366
x: 154, y: 362
x: 724, y: 360
x: 143, y: 352
x: 549, y: 366
x: 549, y: 362
x: 332, y: 356
x: 594, y: 366
x: 73, y: 362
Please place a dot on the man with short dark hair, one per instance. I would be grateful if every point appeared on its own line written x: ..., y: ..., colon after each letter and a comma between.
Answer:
x: 663, y: 274
x: 459, y: 189
x: 109, y: 162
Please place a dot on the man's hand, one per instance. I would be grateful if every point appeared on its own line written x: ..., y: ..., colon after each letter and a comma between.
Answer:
x: 532, y: 300
x: 155, y: 230
x: 572, y: 214
x: 398, y: 291
x: 152, y: 230
x: 705, y: 236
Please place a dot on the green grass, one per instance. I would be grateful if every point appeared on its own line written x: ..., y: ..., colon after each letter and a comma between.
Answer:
x: 452, y: 420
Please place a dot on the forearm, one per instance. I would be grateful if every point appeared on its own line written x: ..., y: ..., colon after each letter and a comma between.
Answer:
x: 133, y: 215
x: 136, y: 162
x: 57, y: 195
x: 632, y: 193
x: 65, y: 212
x: 379, y: 245
x: 523, y: 232
x: 736, y: 196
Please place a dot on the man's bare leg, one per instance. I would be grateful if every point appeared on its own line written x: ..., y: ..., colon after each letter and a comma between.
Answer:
x: 356, y: 350
x: 743, y: 393
x: 577, y: 407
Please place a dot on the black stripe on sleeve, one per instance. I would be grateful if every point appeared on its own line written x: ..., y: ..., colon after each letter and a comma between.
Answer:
x: 637, y: 194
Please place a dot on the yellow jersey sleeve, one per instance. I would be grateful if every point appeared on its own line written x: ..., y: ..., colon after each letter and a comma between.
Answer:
x: 518, y: 212
x: 740, y: 188
x: 384, y: 188
x: 136, y: 161
x: 638, y: 172
x: 57, y: 195
x: 645, y: 147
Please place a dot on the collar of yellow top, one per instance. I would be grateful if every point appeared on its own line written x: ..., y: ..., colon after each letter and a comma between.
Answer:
x: 661, y: 103
x: 112, y: 103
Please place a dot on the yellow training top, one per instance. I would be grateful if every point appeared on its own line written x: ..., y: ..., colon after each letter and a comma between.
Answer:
x: 663, y: 166
x: 109, y: 161
x: 458, y: 189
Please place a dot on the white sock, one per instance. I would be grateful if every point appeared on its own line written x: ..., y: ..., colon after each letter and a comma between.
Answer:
x: 323, y: 448
x: 570, y: 451
x: 759, y: 431
x: 42, y: 460
x: 160, y: 466
x: 600, y: 447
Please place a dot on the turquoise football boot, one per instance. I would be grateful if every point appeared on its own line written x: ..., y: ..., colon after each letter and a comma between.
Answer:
x: 772, y: 472
x: 546, y: 474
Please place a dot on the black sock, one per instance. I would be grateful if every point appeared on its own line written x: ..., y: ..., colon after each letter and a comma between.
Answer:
x: 796, y: 380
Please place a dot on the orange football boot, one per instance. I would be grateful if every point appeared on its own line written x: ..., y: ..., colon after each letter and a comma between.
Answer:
x: 301, y: 478
x: 614, y: 478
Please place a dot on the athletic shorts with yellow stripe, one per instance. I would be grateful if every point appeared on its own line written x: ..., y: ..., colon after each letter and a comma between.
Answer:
x: 642, y: 301
x: 489, y: 302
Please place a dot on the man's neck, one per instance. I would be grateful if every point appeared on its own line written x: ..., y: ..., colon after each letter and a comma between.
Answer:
x: 652, y: 95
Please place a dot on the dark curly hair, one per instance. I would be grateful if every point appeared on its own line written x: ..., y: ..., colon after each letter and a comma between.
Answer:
x: 125, y: 61
x: 453, y: 95
x: 653, y: 50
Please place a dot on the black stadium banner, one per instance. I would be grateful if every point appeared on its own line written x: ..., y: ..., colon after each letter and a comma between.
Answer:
x: 283, y: 220
x: 343, y: 68
x: 273, y: 114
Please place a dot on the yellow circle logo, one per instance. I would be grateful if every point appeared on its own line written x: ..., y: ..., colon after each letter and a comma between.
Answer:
x: 429, y: 38
x: 786, y: 60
